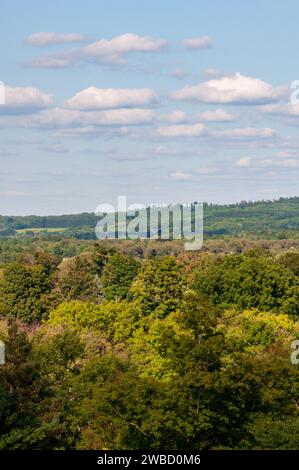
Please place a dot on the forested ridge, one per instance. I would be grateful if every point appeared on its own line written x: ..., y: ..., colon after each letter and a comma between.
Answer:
x: 141, y: 345
x: 263, y: 219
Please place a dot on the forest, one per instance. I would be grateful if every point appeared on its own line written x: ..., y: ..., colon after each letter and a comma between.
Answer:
x: 278, y: 219
x: 142, y: 345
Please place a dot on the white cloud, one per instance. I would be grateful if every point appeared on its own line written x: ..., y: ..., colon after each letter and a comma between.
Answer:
x: 217, y: 115
x: 181, y: 130
x: 104, y: 51
x: 104, y: 98
x: 244, y: 162
x: 24, y: 99
x: 285, y: 163
x: 235, y: 89
x: 282, y: 109
x: 43, y: 39
x: 52, y: 62
x: 87, y: 132
x: 113, y: 50
x: 59, y: 118
x: 120, y: 117
x: 245, y: 132
x: 203, y: 42
x: 180, y: 176
x: 177, y: 116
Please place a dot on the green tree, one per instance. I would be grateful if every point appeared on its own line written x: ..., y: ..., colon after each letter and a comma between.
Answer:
x: 248, y: 282
x: 158, y: 286
x: 118, y: 275
x: 115, y: 320
x: 23, y: 291
x: 290, y: 261
x: 77, y: 281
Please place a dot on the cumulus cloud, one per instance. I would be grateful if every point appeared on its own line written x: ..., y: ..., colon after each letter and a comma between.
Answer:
x: 235, y: 89
x: 24, y: 100
x: 104, y: 98
x: 217, y: 115
x: 104, y: 51
x: 182, y: 130
x: 113, y: 50
x: 203, y: 42
x: 43, y: 39
x: 244, y: 162
x: 177, y: 116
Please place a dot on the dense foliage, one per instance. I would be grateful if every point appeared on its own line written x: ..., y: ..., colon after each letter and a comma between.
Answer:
x: 133, y: 348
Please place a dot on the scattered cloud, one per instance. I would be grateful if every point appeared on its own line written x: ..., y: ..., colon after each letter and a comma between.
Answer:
x: 180, y: 176
x: 12, y: 193
x: 44, y: 39
x: 24, y: 99
x: 281, y: 109
x: 286, y: 163
x: 177, y: 116
x: 52, y: 62
x: 245, y: 133
x: 290, y: 163
x: 161, y: 150
x: 243, y: 162
x: 104, y: 51
x: 217, y: 115
x: 104, y: 98
x: 213, y: 73
x: 203, y: 42
x: 287, y: 153
x: 206, y: 170
x: 59, y: 118
x: 179, y: 74
x: 182, y: 130
x: 235, y: 89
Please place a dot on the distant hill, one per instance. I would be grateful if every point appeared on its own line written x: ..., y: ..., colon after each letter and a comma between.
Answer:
x: 263, y: 219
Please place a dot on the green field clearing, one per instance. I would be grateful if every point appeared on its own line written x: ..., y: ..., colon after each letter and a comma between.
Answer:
x: 38, y: 230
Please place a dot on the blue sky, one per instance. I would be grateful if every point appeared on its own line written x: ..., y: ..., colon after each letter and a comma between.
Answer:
x: 161, y: 101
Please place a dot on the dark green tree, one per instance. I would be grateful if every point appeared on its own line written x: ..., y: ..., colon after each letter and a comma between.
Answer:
x: 23, y: 291
x: 118, y: 275
x: 159, y: 286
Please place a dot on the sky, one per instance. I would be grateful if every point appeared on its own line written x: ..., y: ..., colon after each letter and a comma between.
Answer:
x: 159, y: 101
